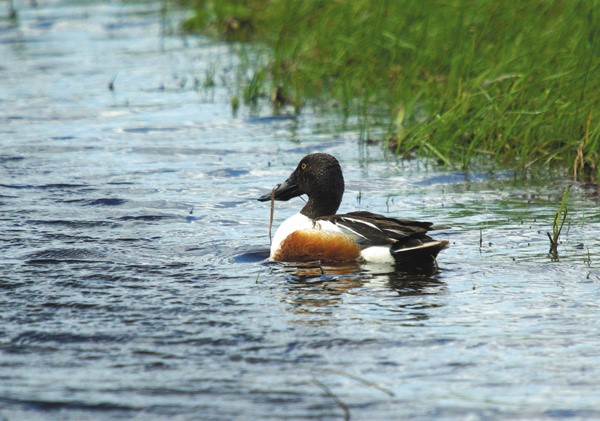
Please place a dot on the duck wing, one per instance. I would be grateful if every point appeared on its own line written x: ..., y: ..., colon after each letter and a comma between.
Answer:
x: 371, y: 229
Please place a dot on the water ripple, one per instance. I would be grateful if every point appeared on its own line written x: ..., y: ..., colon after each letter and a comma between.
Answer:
x: 63, y: 255
x: 119, y: 303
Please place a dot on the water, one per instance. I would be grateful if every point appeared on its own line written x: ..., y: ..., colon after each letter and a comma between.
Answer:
x: 133, y: 277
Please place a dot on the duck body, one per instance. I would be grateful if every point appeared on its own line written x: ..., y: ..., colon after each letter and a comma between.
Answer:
x: 317, y: 233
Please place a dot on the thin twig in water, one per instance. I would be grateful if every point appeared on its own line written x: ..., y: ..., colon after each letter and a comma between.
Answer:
x: 272, y: 211
x: 258, y: 275
x: 358, y: 379
x: 335, y: 398
x: 588, y: 260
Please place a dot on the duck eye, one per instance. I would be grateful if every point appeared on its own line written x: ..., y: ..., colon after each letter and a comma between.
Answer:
x: 303, y: 166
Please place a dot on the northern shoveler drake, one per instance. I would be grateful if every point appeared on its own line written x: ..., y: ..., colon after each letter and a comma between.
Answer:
x: 317, y: 233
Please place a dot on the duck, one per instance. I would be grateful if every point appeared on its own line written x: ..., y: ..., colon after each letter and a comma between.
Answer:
x: 318, y: 234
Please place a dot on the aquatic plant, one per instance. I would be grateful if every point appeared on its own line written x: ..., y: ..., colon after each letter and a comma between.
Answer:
x: 513, y: 83
x: 557, y: 224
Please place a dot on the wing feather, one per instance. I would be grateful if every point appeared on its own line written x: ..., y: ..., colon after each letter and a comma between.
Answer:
x: 375, y: 229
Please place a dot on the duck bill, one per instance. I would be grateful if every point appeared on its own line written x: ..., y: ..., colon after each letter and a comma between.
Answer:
x: 284, y: 191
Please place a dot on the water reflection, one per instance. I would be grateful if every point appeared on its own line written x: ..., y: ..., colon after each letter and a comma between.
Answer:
x: 319, y: 289
x: 316, y: 289
x: 410, y: 284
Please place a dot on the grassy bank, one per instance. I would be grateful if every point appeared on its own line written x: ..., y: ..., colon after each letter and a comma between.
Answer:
x: 516, y: 82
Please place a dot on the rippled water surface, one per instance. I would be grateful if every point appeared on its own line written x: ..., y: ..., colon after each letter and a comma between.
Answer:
x: 133, y: 280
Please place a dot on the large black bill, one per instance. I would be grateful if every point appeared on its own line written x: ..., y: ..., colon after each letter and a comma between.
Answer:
x: 284, y: 191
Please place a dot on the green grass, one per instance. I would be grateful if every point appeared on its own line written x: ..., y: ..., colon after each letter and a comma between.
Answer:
x: 557, y: 224
x: 511, y: 82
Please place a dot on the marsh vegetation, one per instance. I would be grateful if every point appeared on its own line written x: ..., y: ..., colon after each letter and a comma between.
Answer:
x: 514, y: 84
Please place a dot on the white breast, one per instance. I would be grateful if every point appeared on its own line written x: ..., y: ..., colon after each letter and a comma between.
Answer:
x: 299, y: 222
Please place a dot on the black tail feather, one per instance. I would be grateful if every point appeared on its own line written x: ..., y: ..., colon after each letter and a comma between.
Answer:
x: 420, y: 257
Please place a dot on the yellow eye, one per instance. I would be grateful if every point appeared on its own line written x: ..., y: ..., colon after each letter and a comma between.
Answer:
x: 303, y: 166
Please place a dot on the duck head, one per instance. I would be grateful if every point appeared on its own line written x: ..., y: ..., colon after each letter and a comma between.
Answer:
x: 319, y: 176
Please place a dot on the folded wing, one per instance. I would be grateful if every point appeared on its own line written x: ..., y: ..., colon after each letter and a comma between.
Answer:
x: 371, y: 229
